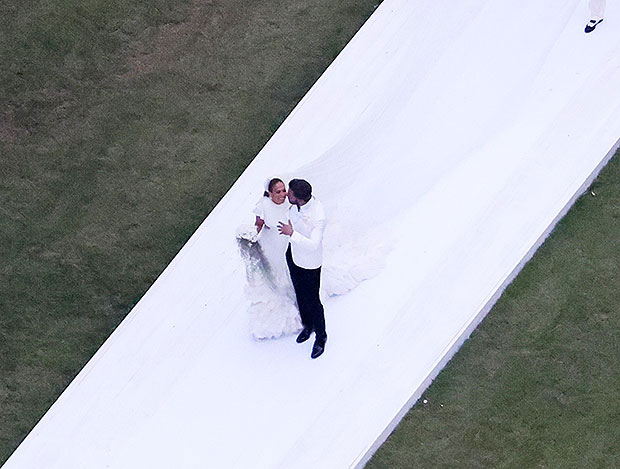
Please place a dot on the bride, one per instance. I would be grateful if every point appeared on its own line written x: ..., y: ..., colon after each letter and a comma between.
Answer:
x: 273, y: 308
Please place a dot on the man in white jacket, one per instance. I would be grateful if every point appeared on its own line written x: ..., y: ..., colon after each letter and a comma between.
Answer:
x: 304, y: 258
x: 597, y: 10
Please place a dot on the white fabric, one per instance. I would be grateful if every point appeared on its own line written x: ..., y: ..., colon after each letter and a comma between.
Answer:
x: 309, y: 223
x: 597, y: 9
x: 272, y: 214
x: 272, y: 309
x: 455, y: 132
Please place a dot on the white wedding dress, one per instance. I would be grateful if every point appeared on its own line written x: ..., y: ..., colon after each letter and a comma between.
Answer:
x: 273, y: 309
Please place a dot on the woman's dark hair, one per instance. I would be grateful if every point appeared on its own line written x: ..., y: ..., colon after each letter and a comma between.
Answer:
x: 271, y: 185
x: 301, y: 188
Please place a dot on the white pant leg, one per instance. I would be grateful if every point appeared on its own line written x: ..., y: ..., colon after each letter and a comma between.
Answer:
x: 597, y: 9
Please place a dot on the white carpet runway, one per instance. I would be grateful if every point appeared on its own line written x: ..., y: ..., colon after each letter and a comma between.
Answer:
x: 458, y: 132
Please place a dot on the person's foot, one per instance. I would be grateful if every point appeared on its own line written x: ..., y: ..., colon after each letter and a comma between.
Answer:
x: 592, y: 25
x: 319, y: 347
x: 304, y: 335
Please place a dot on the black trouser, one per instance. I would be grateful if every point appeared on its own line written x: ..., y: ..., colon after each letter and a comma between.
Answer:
x: 306, y: 283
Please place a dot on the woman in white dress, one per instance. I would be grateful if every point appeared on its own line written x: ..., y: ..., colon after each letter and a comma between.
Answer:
x: 273, y: 311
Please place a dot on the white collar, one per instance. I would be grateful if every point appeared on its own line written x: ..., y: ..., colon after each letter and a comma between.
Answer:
x: 306, y: 206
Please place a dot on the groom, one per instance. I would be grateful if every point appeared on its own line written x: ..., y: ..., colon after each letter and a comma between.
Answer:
x: 304, y: 257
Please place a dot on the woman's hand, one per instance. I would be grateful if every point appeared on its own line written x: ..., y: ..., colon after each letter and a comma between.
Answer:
x: 259, y: 223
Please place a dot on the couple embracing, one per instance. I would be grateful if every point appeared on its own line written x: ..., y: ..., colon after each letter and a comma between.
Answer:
x: 290, y: 239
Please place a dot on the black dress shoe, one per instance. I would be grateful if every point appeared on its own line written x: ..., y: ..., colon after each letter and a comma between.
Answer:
x: 304, y: 335
x: 319, y: 347
x: 592, y: 24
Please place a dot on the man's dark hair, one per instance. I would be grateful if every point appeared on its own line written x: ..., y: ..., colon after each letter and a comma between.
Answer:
x: 301, y: 188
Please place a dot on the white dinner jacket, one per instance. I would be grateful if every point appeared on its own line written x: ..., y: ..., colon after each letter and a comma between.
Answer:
x: 307, y: 239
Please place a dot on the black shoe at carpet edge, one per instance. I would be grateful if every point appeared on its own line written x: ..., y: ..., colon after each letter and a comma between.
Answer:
x: 319, y: 347
x: 592, y: 24
x: 304, y: 335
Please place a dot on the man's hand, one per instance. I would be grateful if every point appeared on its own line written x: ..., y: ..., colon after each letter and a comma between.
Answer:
x: 285, y: 228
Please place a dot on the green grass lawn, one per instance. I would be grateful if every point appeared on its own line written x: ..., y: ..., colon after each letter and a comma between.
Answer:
x: 122, y: 123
